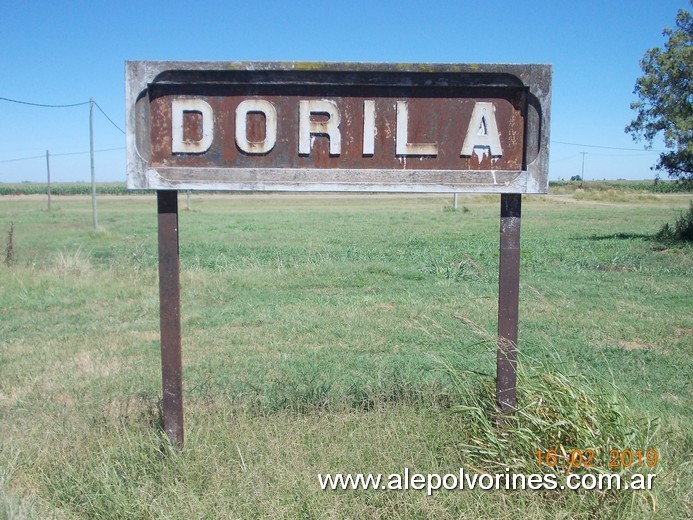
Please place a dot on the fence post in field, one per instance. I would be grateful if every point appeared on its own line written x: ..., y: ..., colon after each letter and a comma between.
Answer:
x: 95, y: 221
x: 48, y: 174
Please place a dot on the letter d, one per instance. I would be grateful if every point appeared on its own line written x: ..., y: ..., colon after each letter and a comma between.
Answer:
x: 178, y: 142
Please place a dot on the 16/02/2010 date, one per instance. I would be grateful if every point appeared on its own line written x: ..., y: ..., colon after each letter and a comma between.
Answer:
x: 589, y: 458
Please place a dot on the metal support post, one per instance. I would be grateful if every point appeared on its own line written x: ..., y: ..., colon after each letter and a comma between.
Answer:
x: 169, y: 305
x: 508, y: 302
x: 48, y: 175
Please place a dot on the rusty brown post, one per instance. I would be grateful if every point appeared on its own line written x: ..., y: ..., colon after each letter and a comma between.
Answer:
x: 508, y: 301
x: 169, y: 308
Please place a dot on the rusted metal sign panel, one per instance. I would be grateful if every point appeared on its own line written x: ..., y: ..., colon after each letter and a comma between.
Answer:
x: 338, y: 127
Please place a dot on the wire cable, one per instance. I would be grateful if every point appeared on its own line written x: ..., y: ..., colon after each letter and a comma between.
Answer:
x: 44, y: 105
x: 607, y: 147
x: 48, y: 105
x: 109, y: 119
x: 23, y: 158
x: 43, y: 156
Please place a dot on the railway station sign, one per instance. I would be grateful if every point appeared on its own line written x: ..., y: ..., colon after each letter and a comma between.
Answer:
x: 337, y: 127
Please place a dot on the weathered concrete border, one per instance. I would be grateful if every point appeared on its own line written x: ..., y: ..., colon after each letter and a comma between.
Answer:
x: 145, y: 77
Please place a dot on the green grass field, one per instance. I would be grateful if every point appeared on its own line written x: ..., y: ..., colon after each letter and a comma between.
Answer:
x: 326, y: 333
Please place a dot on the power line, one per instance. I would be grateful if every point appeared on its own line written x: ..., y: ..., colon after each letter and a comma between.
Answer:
x: 47, y: 105
x: 60, y: 155
x: 44, y: 105
x: 607, y: 147
x: 635, y: 154
x: 109, y: 119
x: 84, y: 153
x: 22, y: 159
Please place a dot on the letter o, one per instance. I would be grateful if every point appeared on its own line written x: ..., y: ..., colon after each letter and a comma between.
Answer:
x: 260, y: 106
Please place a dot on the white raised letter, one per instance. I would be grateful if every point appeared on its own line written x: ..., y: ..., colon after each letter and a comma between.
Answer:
x: 482, y: 132
x: 260, y: 106
x: 178, y: 142
x: 308, y: 127
x: 403, y: 146
x: 368, y: 127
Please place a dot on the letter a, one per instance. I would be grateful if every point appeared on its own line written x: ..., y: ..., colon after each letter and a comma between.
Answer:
x: 482, y: 132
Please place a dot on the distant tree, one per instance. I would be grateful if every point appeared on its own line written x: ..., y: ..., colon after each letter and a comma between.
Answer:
x: 665, y: 99
x: 576, y: 178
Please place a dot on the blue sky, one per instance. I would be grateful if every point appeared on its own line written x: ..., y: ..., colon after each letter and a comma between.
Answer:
x: 68, y: 52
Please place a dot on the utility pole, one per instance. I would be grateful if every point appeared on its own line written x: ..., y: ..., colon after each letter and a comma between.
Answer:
x: 582, y: 175
x: 48, y: 174
x: 95, y: 221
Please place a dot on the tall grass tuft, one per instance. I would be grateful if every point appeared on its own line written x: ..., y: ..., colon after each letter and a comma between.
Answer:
x: 681, y: 231
x: 557, y: 409
x: 75, y: 262
x: 12, y: 507
x: 9, y: 247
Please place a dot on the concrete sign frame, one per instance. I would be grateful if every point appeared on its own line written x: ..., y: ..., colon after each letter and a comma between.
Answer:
x: 373, y: 109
